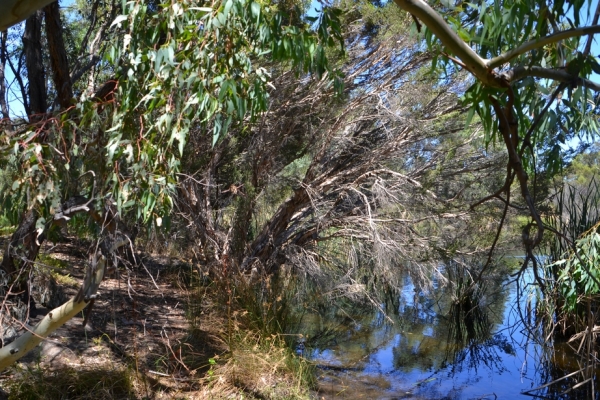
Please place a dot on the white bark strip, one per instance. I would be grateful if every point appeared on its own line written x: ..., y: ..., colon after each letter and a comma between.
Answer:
x: 27, y: 341
x: 450, y: 39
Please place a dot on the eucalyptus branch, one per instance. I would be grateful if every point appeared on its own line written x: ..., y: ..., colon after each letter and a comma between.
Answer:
x: 538, y: 119
x: 517, y: 166
x: 541, y: 42
x: 559, y: 75
x: 450, y: 39
x: 510, y: 177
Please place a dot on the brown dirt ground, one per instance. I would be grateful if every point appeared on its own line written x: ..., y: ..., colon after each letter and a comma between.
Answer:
x: 138, y: 321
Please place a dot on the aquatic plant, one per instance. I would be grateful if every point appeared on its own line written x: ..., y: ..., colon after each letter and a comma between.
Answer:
x: 578, y: 272
x: 572, y: 266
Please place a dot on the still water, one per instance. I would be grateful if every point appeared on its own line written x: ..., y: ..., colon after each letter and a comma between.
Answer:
x: 425, y: 352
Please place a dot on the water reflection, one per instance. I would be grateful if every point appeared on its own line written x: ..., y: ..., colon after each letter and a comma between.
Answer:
x: 437, y: 348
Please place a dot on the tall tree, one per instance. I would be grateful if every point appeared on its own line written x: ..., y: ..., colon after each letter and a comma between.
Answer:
x: 36, y: 74
x: 58, y: 55
x: 3, y: 54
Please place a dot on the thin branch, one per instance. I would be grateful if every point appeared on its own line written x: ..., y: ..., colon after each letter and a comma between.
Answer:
x: 505, y: 125
x: 538, y: 119
x: 559, y: 75
x: 588, y: 45
x: 93, y: 18
x: 541, y: 42
x: 17, y: 74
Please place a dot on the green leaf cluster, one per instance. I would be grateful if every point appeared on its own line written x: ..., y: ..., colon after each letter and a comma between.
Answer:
x: 192, y: 69
x: 181, y: 69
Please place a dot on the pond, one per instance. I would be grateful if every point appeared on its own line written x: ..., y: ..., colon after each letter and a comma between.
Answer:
x: 427, y: 350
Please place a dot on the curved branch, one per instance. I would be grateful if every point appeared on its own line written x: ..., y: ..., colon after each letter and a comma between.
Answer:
x: 559, y: 75
x: 507, y: 128
x: 14, y: 11
x: 453, y: 43
x: 537, y: 43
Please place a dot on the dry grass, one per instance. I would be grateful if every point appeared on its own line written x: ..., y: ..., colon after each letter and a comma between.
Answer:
x: 259, y: 367
x: 256, y: 361
x: 96, y: 383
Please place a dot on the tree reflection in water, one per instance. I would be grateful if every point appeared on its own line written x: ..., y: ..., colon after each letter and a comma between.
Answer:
x: 462, y: 341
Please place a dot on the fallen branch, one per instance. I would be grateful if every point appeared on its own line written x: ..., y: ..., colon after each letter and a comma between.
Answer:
x: 27, y: 341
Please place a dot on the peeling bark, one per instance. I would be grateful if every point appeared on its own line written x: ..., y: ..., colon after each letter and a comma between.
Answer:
x: 35, y: 66
x: 58, y: 55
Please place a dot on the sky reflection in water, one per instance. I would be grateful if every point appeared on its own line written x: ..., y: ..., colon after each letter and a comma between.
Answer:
x: 414, y: 358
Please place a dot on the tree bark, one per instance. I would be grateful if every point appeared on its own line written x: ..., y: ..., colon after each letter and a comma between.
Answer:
x: 35, y: 66
x: 270, y: 238
x: 58, y: 55
x: 52, y: 321
x: 3, y: 103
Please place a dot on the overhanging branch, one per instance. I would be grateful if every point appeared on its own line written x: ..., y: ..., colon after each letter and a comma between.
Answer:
x: 453, y: 43
x: 14, y: 11
x: 537, y: 43
x: 27, y: 341
x: 559, y: 75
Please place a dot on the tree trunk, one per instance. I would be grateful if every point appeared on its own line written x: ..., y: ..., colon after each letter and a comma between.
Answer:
x: 58, y: 56
x: 3, y: 104
x: 19, y: 255
x: 36, y: 75
x: 272, y: 235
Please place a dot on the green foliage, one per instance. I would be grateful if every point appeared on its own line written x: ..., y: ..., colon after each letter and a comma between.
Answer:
x: 584, y: 167
x: 181, y: 69
x: 572, y: 269
x: 12, y: 203
x: 495, y: 28
x: 267, y: 306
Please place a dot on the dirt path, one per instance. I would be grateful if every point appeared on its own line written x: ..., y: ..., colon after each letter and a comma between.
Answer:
x: 138, y: 322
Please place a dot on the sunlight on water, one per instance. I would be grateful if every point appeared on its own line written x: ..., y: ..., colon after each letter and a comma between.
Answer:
x: 418, y: 358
